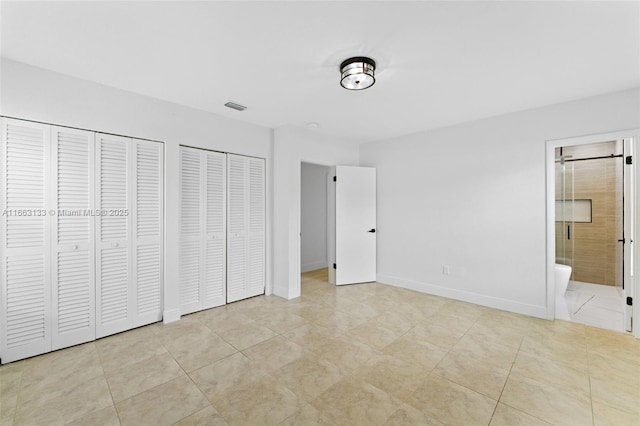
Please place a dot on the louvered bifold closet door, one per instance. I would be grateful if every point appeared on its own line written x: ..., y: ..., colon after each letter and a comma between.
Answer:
x: 73, y: 290
x: 113, y: 233
x: 25, y: 236
x: 147, y: 214
x: 245, y: 227
x: 215, y: 244
x: 202, y: 229
x: 191, y: 229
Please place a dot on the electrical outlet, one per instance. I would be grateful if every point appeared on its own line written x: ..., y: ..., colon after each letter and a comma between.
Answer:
x: 446, y: 270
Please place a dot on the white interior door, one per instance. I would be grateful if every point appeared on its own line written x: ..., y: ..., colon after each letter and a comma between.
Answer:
x: 355, y: 225
x: 73, y: 278
x: 629, y: 231
x: 25, y: 250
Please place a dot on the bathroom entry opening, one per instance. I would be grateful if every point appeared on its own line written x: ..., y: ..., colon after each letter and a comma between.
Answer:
x: 590, y: 212
x: 591, y: 227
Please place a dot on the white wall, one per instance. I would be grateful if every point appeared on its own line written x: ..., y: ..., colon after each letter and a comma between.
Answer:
x: 472, y: 197
x: 291, y: 146
x: 313, y: 220
x: 36, y: 94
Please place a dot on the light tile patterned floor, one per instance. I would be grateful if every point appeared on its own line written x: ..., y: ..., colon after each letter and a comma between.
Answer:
x: 366, y: 354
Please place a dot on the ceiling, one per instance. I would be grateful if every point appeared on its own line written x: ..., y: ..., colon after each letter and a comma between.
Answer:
x: 439, y: 63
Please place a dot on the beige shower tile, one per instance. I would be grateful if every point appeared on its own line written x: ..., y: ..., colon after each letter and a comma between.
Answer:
x: 449, y: 402
x: 163, y: 405
x: 352, y: 401
x: 206, y: 417
x: 261, y: 402
x: 546, y: 402
x: 143, y: 375
x: 274, y: 353
x: 508, y: 416
x: 474, y: 373
x: 65, y: 404
x: 309, y: 376
x: 232, y: 371
x: 246, y: 335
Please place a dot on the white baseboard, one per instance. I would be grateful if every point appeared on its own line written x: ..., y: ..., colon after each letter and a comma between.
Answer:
x: 172, y: 315
x: 465, y: 296
x: 312, y: 266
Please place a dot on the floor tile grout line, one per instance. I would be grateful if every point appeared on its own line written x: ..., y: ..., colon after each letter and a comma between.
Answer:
x: 100, y: 357
x: 507, y: 380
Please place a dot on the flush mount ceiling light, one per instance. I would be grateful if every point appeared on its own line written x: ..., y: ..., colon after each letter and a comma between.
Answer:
x: 357, y: 73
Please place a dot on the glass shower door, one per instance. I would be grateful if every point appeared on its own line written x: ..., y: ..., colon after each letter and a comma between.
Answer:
x: 565, y: 200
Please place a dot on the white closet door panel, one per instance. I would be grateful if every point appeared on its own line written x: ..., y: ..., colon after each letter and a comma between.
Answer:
x: 191, y: 229
x: 237, y: 196
x: 25, y: 252
x: 236, y: 269
x: 246, y: 227
x: 236, y: 227
x: 213, y: 291
x: 149, y: 283
x: 190, y: 192
x: 147, y: 211
x: 73, y: 291
x: 113, y: 264
x: 256, y: 234
x: 189, y: 277
x: 113, y: 187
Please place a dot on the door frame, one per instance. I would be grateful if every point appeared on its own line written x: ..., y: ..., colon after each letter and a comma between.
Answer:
x: 551, y: 145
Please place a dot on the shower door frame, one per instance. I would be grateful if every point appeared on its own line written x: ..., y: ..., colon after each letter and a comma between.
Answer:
x: 551, y: 146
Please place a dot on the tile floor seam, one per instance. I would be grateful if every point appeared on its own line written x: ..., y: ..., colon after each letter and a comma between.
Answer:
x: 593, y: 417
x: 104, y: 376
x: 15, y: 409
x: 506, y: 381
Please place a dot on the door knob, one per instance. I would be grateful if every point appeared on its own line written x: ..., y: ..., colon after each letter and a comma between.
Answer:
x: 372, y: 230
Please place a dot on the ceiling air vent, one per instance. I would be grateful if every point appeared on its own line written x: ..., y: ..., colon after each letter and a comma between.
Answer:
x: 235, y: 106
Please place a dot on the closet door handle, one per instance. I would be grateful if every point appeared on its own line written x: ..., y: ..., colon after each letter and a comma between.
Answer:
x: 372, y: 230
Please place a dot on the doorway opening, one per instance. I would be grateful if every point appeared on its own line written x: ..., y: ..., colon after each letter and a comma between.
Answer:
x: 313, y: 227
x: 590, y: 231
